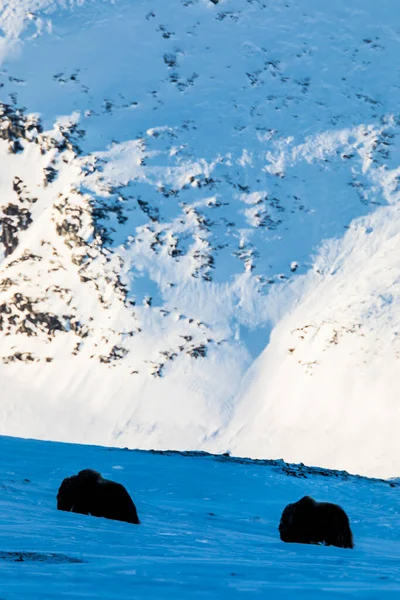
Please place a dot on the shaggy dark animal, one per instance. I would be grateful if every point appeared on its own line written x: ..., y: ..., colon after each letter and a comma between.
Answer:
x: 311, y: 522
x: 89, y: 494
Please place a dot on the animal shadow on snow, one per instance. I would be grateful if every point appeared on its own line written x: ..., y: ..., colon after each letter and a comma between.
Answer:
x: 38, y: 557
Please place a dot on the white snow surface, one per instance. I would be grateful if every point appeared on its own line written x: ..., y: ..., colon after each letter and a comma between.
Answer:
x: 200, y: 227
x: 209, y: 529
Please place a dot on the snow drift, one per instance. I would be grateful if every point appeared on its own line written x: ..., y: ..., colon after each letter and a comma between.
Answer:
x: 209, y: 529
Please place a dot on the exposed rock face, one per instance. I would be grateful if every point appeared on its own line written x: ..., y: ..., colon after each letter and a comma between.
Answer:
x: 165, y: 221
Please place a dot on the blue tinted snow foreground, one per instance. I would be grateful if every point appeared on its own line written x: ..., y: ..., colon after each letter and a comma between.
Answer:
x: 209, y: 529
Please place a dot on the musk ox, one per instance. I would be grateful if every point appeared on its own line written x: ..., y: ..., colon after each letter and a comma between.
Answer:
x: 89, y: 494
x: 311, y: 522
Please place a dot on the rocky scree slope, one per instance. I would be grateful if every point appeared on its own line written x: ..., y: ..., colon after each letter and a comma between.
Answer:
x: 199, y: 222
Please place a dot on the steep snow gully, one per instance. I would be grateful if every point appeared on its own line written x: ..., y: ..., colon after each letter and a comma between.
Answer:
x: 199, y: 209
x: 209, y: 529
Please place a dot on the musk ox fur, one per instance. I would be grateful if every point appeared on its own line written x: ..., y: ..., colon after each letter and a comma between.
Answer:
x: 311, y: 522
x: 88, y: 493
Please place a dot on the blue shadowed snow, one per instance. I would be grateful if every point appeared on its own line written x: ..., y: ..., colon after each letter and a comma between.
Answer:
x: 209, y: 529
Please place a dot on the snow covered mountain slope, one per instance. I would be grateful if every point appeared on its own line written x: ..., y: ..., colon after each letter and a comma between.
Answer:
x: 199, y: 226
x: 209, y: 529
